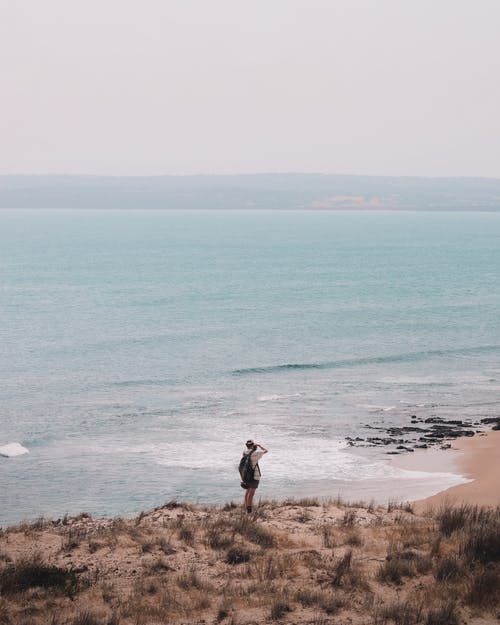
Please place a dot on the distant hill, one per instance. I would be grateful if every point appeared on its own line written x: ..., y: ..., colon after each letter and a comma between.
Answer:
x: 258, y: 191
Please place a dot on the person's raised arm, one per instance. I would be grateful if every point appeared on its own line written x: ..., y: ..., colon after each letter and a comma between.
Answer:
x: 264, y: 450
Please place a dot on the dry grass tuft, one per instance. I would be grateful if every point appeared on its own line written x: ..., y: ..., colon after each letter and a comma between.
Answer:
x: 328, y: 600
x: 254, y: 532
x: 304, y: 516
x: 395, y: 567
x: 328, y: 535
x: 353, y: 538
x: 349, y: 518
x: 217, y: 539
x: 34, y: 573
x: 305, y: 502
x: 331, y: 603
x: 5, y: 618
x: 186, y: 534
x: 481, y: 541
x: 341, y: 568
x: 308, y: 597
x: 484, y: 588
x: 94, y: 545
x: 73, y: 539
x: 399, y: 613
x: 403, y: 506
x: 445, y: 614
x: 279, y: 608
x: 272, y: 566
x: 448, y: 568
x: 237, y: 555
x: 190, y: 579
x: 90, y: 618
x: 452, y: 518
x: 344, y: 572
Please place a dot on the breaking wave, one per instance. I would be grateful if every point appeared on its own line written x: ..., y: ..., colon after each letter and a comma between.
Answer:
x: 370, y: 360
x: 12, y: 450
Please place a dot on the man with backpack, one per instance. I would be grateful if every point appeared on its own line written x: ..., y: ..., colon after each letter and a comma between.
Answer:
x: 250, y: 471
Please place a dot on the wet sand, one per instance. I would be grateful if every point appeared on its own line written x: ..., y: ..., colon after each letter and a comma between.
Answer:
x: 477, y: 459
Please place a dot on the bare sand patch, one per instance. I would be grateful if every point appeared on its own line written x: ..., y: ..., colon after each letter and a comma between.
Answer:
x: 476, y: 458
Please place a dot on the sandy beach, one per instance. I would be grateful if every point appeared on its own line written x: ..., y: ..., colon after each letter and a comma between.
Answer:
x: 476, y: 458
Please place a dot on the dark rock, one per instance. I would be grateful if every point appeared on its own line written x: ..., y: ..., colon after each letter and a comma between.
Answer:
x: 405, y: 430
x: 423, y: 446
x: 382, y: 441
x: 444, y: 422
x: 490, y: 420
x: 443, y: 428
x: 395, y: 431
x: 413, y: 429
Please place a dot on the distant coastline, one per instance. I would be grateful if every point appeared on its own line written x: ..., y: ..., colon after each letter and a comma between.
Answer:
x: 280, y: 191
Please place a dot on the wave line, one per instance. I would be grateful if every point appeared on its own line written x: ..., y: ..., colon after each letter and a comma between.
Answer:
x: 369, y: 360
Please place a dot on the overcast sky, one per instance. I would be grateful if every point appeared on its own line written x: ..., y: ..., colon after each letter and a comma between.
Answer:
x: 396, y: 87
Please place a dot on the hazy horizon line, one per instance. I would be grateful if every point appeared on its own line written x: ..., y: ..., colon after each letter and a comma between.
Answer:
x: 248, y: 174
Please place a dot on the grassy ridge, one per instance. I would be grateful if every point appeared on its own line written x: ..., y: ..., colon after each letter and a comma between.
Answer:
x: 295, y: 561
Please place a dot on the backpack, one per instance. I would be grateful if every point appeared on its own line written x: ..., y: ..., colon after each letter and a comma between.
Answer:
x: 246, y: 470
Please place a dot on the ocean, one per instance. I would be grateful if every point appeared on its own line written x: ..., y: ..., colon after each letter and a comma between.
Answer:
x: 140, y: 349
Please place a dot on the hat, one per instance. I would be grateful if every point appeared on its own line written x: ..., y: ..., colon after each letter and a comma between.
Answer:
x: 250, y: 443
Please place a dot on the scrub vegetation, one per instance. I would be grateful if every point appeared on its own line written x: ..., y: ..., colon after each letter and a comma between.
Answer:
x: 292, y: 562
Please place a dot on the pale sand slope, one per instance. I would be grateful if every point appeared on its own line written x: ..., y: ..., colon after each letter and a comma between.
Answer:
x: 476, y: 458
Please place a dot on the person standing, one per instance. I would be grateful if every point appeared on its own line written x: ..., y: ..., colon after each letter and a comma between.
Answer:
x: 252, y: 448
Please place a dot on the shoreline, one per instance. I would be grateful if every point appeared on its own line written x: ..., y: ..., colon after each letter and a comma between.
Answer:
x: 474, y: 461
x: 477, y: 459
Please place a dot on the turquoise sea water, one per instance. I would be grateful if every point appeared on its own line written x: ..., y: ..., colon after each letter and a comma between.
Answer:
x: 139, y: 349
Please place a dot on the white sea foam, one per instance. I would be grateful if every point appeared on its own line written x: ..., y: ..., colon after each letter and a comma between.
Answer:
x: 307, y: 458
x: 13, y: 449
x: 376, y: 407
x: 301, y: 458
x: 278, y: 397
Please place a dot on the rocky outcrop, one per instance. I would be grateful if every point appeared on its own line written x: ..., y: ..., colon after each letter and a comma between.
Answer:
x: 433, y: 431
